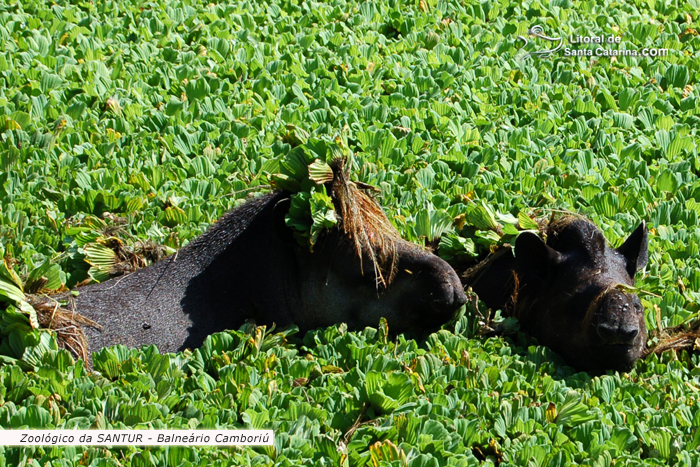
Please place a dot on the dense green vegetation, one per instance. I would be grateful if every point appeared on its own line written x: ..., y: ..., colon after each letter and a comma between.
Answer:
x: 163, y: 115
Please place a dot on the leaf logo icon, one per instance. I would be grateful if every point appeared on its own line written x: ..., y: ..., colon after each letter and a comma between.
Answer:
x: 538, y: 31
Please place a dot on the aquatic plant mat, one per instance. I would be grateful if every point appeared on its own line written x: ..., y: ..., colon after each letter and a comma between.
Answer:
x: 360, y: 398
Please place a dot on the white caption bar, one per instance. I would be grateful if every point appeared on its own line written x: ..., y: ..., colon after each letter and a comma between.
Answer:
x: 136, y: 437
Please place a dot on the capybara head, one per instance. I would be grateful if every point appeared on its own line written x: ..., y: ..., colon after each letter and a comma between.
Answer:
x: 363, y: 270
x: 575, y: 293
x: 423, y: 293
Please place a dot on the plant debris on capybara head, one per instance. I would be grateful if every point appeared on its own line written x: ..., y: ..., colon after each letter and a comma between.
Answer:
x: 573, y: 293
x: 249, y: 265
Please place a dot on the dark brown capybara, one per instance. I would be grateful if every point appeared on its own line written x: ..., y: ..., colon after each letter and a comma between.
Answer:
x: 248, y: 265
x: 573, y: 293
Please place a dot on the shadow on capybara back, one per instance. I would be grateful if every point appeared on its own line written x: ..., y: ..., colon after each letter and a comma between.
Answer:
x: 572, y: 292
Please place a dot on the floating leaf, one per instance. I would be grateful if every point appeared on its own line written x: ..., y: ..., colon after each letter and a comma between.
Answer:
x: 481, y: 216
x: 668, y: 181
x: 11, y: 291
x: 677, y: 75
x: 526, y: 223
x: 431, y: 224
x: 551, y: 412
x: 605, y: 204
x: 22, y: 119
x: 320, y: 172
x: 623, y: 120
x: 573, y: 412
x: 102, y: 259
x: 323, y: 215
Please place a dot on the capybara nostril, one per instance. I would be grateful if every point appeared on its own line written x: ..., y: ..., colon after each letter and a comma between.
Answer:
x: 449, y: 298
x: 612, y: 334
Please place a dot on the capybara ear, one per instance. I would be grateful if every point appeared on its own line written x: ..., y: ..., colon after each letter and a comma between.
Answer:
x: 533, y: 256
x: 636, y: 249
x: 279, y: 213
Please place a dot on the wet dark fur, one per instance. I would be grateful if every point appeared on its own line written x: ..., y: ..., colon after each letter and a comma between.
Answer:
x: 572, y: 293
x: 249, y: 266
